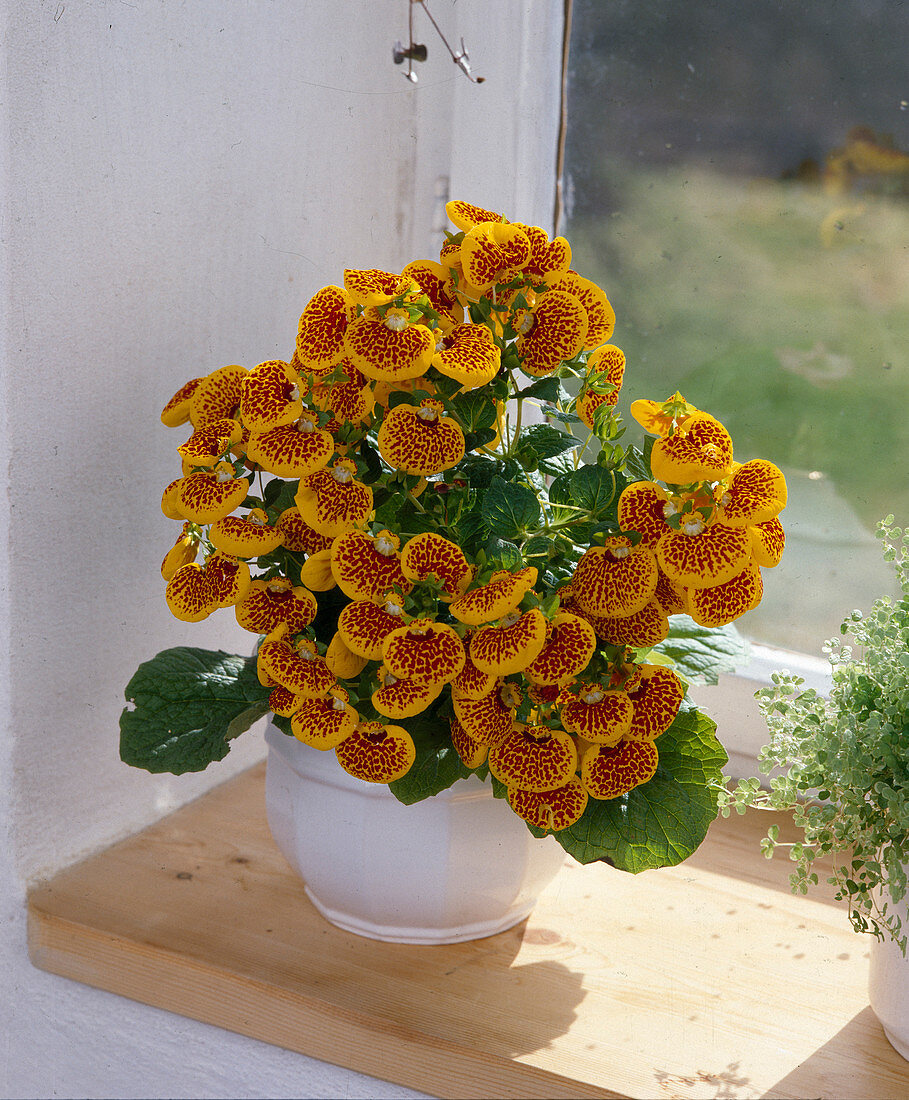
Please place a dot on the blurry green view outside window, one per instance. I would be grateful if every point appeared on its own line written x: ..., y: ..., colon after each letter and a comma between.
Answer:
x: 736, y: 177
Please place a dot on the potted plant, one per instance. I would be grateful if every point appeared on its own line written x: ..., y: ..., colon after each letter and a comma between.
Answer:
x: 841, y: 768
x: 462, y: 582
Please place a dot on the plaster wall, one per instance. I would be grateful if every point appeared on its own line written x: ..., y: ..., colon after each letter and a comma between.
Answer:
x: 178, y: 179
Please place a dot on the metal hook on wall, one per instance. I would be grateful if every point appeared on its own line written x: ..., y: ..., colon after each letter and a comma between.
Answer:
x: 417, y: 51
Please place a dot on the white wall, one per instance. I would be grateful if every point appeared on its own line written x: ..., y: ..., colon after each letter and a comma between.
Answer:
x: 178, y: 178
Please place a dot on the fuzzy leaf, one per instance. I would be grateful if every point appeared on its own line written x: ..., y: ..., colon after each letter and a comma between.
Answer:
x: 548, y: 441
x: 189, y: 704
x: 509, y: 509
x: 700, y: 653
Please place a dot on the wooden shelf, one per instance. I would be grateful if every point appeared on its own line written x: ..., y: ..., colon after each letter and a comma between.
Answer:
x: 704, y: 981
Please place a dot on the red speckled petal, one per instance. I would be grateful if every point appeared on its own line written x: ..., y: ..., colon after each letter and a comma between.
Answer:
x: 332, y: 501
x: 756, y: 493
x: 700, y: 450
x: 558, y: 333
x: 388, y: 354
x: 768, y: 540
x: 615, y: 579
x: 465, y: 215
x: 600, y: 314
x: 534, y: 758
x: 704, y: 560
x: 367, y: 567
x: 469, y: 355
x: 493, y: 252
x: 377, y: 753
x: 602, y: 717
x: 567, y: 651
x: 228, y: 578
x: 471, y: 752
x: 502, y: 650
x: 424, y: 651
x: 209, y: 443
x: 430, y: 555
x: 487, y: 719
x: 551, y: 810
x: 724, y: 603
x: 501, y: 594
x: 292, y: 450
x: 396, y: 698
x: 647, y: 627
x: 320, y: 337
x: 299, y: 536
x: 203, y: 498
x: 642, y: 508
x: 176, y: 411
x: 420, y: 440
x: 270, y: 396
x: 609, y: 772
x: 268, y: 603
x: 189, y: 595
x: 326, y: 722
x: 364, y: 626
x: 656, y: 698
x: 217, y: 397
x: 607, y: 364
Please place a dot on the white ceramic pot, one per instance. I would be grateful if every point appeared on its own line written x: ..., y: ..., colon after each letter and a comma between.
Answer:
x: 888, y: 986
x: 457, y: 866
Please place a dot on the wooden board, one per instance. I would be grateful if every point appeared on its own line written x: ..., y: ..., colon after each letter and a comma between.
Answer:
x: 707, y: 980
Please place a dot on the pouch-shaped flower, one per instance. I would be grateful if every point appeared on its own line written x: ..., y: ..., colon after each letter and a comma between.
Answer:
x: 270, y: 396
x: 420, y: 439
x: 608, y: 771
x: 425, y: 651
x: 377, y: 753
x: 534, y: 758
x: 615, y: 578
x: 551, y: 810
x: 320, y: 333
x: 367, y: 566
x: 332, y: 501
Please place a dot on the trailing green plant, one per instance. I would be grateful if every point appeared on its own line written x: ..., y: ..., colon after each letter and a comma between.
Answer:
x: 844, y: 761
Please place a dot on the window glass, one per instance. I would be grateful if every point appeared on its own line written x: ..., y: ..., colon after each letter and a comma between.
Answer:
x: 736, y: 178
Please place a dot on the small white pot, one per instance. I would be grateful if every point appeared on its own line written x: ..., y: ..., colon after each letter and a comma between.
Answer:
x: 457, y: 866
x: 888, y: 985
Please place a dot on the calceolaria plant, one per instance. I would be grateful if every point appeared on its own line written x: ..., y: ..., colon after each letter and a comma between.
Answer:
x: 452, y: 563
x: 844, y: 761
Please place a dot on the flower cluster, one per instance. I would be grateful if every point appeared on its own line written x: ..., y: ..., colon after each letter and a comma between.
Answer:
x: 438, y: 570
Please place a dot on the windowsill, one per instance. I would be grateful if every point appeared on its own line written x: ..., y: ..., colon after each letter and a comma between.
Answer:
x: 703, y: 980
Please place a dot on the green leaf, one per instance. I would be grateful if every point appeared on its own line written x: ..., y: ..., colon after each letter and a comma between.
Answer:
x: 189, y: 704
x: 637, y: 462
x: 476, y: 410
x: 590, y: 487
x: 505, y: 553
x: 509, y: 509
x: 701, y: 653
x: 660, y: 823
x: 437, y: 765
x: 548, y: 441
x: 545, y: 389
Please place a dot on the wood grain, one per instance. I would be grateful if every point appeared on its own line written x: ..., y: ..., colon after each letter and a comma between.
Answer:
x: 707, y: 980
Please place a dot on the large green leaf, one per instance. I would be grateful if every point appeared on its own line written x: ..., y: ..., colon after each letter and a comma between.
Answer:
x: 547, y: 441
x: 509, y: 509
x: 188, y: 705
x: 701, y: 653
x: 660, y: 823
x: 591, y: 487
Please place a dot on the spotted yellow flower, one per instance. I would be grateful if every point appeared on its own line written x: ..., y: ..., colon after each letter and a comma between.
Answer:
x: 184, y: 550
x: 552, y: 331
x: 343, y: 662
x: 534, y: 758
x: 662, y: 417
x: 469, y: 355
x: 332, y: 501
x: 385, y: 344
x: 724, y: 602
x: 700, y: 449
x: 367, y: 567
x: 324, y: 722
x: 490, y: 717
x: 610, y: 771
x: 397, y: 698
x: 471, y: 752
x: 616, y: 578
x: 299, y: 668
x: 268, y: 603
x: 702, y: 554
x: 465, y: 215
x: 511, y: 645
x: 364, y: 626
x: 601, y: 716
x: 323, y: 323
x: 597, y: 307
x: 570, y: 643
x: 176, y: 411
x: 189, y: 594
x: 755, y: 493
x: 217, y: 397
x: 351, y: 401
x: 209, y: 495
x: 270, y: 396
x: 377, y: 753
x: 430, y: 555
x: 248, y: 536
x: 768, y: 541
x: 299, y: 536
x: 424, y: 651
x: 493, y: 252
x: 209, y: 443
x: 497, y: 597
x: 292, y: 450
x: 437, y: 284
x: 551, y: 810
x: 656, y: 695
x: 549, y: 259
x: 420, y: 439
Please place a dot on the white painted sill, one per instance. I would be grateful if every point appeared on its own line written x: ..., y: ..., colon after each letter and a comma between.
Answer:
x: 731, y: 703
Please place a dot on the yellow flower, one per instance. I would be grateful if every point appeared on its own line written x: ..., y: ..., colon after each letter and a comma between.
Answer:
x: 534, y: 758
x: 610, y: 771
x: 217, y: 396
x: 270, y: 396
x: 493, y: 252
x: 606, y: 364
x: 552, y: 331
x: 551, y: 810
x: 469, y: 355
x: 268, y: 603
x: 324, y: 722
x: 424, y: 651
x: 385, y: 345
x: 292, y: 450
x: 323, y: 323
x: 210, y: 495
x: 332, y: 501
x: 430, y: 555
x: 377, y: 753
x: 248, y: 536
x: 420, y: 439
x: 366, y: 567
x: 510, y: 646
x: 569, y: 645
x: 615, y: 578
x: 699, y: 449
